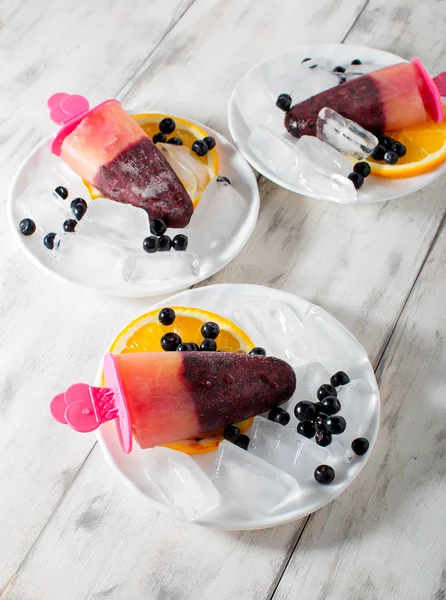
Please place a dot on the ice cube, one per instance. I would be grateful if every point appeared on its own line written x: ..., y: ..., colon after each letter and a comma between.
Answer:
x: 256, y: 102
x: 309, y: 380
x: 312, y: 77
x: 115, y: 222
x: 335, y: 345
x: 357, y: 408
x: 345, y: 135
x: 251, y: 482
x: 278, y: 445
x: 311, y: 455
x: 95, y: 259
x: 324, y: 156
x: 284, y: 158
x: 354, y: 71
x: 162, y: 266
x: 180, y: 481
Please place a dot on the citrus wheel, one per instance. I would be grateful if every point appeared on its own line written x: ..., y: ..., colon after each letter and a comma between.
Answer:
x: 181, y: 158
x: 144, y: 335
x: 426, y: 150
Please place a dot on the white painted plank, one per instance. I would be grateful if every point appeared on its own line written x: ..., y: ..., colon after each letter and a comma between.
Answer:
x: 386, y: 537
x: 47, y: 330
x: 60, y: 332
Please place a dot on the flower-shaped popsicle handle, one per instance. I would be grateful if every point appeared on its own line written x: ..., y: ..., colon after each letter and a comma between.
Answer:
x: 84, y: 407
x: 65, y: 107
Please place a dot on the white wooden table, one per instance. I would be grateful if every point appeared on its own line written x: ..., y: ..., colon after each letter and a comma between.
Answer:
x: 69, y: 529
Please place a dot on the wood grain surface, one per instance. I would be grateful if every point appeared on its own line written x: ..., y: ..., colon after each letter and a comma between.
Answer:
x: 69, y: 529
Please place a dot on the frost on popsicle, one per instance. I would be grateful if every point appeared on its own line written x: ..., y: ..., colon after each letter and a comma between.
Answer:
x: 345, y: 135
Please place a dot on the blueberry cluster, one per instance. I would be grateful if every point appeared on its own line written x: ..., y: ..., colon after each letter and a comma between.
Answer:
x: 321, y: 420
x: 388, y: 149
x: 166, y: 127
x: 361, y: 170
x: 172, y: 342
x: 161, y: 242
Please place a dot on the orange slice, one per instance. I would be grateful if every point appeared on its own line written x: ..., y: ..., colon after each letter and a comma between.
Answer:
x: 144, y: 335
x: 426, y: 150
x: 206, y: 167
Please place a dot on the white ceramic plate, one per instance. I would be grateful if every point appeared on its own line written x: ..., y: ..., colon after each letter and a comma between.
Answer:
x: 31, y: 196
x: 300, y: 347
x: 273, y: 77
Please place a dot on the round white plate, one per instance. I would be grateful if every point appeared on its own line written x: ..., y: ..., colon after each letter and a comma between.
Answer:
x: 252, y: 103
x: 31, y: 195
x: 293, y: 329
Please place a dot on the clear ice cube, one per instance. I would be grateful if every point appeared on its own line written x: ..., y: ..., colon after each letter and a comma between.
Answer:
x: 324, y: 156
x: 115, y: 222
x: 162, y: 266
x: 345, y: 135
x: 357, y: 408
x: 309, y: 379
x: 181, y: 482
x: 251, y: 482
x: 310, y: 78
x: 278, y: 445
x: 284, y: 158
x: 354, y: 71
x: 335, y: 345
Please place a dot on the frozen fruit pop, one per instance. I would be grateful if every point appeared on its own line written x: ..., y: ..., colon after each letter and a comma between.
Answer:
x: 164, y: 397
x: 388, y: 99
x: 112, y: 152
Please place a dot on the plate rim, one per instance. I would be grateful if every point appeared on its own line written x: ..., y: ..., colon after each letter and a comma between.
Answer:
x: 264, y: 522
x: 247, y: 175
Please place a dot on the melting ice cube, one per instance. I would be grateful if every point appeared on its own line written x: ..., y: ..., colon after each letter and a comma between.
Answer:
x: 181, y: 482
x: 324, y: 156
x: 345, y: 135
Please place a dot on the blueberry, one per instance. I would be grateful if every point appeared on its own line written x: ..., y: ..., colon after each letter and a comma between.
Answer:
x: 313, y: 66
x: 305, y: 411
x: 279, y: 415
x: 356, y: 179
x: 62, y: 192
x: 158, y: 227
x: 209, y: 141
x: 184, y: 348
x: 319, y: 422
x: 167, y: 125
x: 164, y: 243
x: 242, y: 441
x: 48, y: 240
x: 69, y: 225
x: 326, y: 390
x: 78, y: 201
x: 378, y: 152
x: 284, y: 102
x: 324, y: 474
x: 150, y: 244
x: 363, y: 168
x: 306, y: 428
x: 323, y: 438
x: 305, y: 59
x: 257, y: 351
x: 339, y: 378
x: 208, y: 345
x: 319, y: 407
x: 356, y: 62
x: 79, y: 211
x: 170, y: 342
x: 231, y: 433
x: 331, y: 405
x: 222, y: 178
x: 335, y: 425
x: 360, y: 446
x: 391, y: 158
x: 386, y: 141
x: 180, y: 242
x: 27, y: 227
x: 166, y: 316
x: 399, y: 149
x: 176, y: 141
x: 159, y: 138
x: 194, y: 347
x: 210, y: 330
x: 200, y: 148
x: 339, y: 69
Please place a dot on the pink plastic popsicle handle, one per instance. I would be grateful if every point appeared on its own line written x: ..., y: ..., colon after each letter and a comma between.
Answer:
x: 431, y: 93
x: 67, y: 110
x: 440, y: 82
x: 84, y: 407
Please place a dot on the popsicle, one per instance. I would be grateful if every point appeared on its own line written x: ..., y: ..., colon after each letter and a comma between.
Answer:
x: 165, y: 397
x: 112, y: 152
x: 392, y: 98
